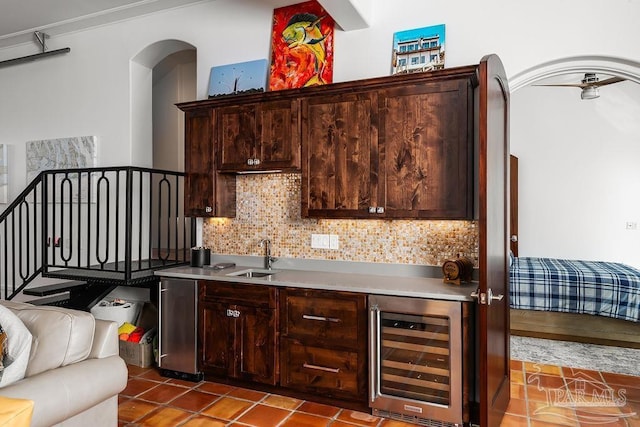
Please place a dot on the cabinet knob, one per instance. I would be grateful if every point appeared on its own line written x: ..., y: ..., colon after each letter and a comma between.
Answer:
x: 380, y: 209
x: 250, y: 162
x: 372, y: 209
x: 256, y: 162
x: 208, y: 209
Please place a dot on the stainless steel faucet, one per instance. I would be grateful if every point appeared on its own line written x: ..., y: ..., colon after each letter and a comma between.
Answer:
x: 268, y: 259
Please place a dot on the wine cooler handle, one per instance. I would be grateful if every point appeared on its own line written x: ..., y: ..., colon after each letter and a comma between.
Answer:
x: 374, y: 325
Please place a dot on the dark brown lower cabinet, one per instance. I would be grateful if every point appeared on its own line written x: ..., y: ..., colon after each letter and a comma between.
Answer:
x: 238, y: 329
x: 323, y: 338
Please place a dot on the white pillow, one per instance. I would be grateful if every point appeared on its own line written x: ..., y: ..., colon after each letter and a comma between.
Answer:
x: 18, y: 347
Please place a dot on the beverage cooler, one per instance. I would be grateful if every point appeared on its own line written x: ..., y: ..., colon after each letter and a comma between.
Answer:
x: 418, y: 369
x: 178, y: 342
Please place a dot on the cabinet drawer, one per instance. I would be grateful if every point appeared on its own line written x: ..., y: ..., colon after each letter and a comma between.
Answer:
x: 323, y: 317
x: 314, y: 369
x: 238, y: 293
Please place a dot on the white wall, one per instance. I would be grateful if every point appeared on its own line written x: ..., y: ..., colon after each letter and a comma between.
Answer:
x: 579, y: 170
x: 88, y: 91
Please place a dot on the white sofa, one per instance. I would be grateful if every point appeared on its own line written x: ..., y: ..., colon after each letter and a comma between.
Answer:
x: 74, y: 373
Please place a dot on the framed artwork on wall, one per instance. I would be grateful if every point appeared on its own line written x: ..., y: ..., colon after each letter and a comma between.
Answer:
x: 420, y: 49
x: 301, y: 46
x: 243, y: 77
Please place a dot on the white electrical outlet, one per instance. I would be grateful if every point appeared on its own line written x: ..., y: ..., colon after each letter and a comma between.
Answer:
x: 325, y: 241
x: 316, y: 241
x: 333, y: 241
x: 632, y: 225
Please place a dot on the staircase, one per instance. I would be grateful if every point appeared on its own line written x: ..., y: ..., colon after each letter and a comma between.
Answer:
x: 93, y: 229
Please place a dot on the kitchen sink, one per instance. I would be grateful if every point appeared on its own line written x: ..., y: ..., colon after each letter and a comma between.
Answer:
x: 253, y: 272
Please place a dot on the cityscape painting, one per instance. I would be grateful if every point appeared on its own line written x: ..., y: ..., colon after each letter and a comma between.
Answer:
x: 420, y: 49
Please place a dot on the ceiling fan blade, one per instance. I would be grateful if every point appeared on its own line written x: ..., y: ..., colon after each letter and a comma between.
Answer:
x: 609, y: 81
x: 580, y: 85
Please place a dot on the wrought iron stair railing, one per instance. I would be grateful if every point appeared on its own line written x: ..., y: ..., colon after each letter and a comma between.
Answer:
x: 105, y: 226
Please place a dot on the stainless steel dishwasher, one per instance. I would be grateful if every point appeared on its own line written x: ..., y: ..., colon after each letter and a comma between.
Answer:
x: 178, y: 338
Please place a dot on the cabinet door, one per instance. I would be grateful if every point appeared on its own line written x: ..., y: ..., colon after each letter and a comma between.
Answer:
x: 340, y: 155
x: 279, y: 144
x: 427, y: 141
x: 235, y: 136
x: 199, y: 191
x: 254, y: 345
x: 216, y: 332
x: 207, y: 193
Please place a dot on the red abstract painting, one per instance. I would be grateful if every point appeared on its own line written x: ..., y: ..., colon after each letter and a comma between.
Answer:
x: 301, y: 46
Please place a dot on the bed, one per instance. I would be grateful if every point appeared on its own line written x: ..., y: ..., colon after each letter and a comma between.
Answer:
x: 588, y: 301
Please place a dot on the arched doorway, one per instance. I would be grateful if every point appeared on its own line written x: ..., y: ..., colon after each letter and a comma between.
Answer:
x: 170, y: 67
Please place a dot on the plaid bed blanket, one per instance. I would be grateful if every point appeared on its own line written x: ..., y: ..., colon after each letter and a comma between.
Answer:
x: 592, y: 287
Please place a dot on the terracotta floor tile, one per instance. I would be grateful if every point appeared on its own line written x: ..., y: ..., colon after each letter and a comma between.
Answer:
x: 134, y: 409
x: 539, y: 423
x: 510, y: 420
x: 620, y: 379
x: 184, y: 383
x: 164, y: 417
x: 194, y: 400
x: 263, y: 416
x: 247, y: 394
x: 163, y: 393
x: 150, y: 400
x: 227, y: 408
x: 581, y: 373
x: 545, y: 381
x: 153, y: 374
x: 632, y: 394
x: 137, y: 386
x: 215, y: 388
x: 300, y: 419
x: 540, y: 368
x: 517, y: 376
x: 541, y: 411
x: 202, y: 421
x: 516, y: 364
x: 518, y: 391
x: 535, y: 393
x: 517, y: 407
x: 283, y: 402
x: 136, y: 370
x: 319, y: 409
x: 359, y: 418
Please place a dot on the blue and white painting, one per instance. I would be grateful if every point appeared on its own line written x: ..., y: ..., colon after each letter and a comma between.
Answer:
x: 243, y: 77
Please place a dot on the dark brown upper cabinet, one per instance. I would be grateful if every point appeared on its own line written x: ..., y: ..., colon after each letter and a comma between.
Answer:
x: 207, y: 193
x: 394, y: 148
x: 426, y: 140
x: 340, y: 152
x: 258, y: 136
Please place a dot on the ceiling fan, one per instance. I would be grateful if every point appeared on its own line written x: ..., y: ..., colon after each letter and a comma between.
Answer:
x: 590, y: 85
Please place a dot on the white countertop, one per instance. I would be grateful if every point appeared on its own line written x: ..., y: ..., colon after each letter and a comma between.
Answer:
x: 419, y: 287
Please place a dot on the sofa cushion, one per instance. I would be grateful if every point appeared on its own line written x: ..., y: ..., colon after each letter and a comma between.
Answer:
x: 61, y: 336
x: 15, y: 348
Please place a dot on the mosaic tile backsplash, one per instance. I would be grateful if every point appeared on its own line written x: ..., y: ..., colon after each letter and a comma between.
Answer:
x: 268, y: 206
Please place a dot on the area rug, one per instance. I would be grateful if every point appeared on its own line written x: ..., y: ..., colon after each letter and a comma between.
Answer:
x: 577, y: 355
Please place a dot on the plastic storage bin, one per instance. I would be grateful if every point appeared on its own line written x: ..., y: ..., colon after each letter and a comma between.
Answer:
x: 116, y: 312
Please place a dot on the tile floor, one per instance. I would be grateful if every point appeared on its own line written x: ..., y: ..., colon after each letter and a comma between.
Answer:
x: 541, y: 396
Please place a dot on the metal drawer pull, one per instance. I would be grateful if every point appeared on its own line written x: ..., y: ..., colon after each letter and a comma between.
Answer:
x: 321, y: 318
x: 321, y: 368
